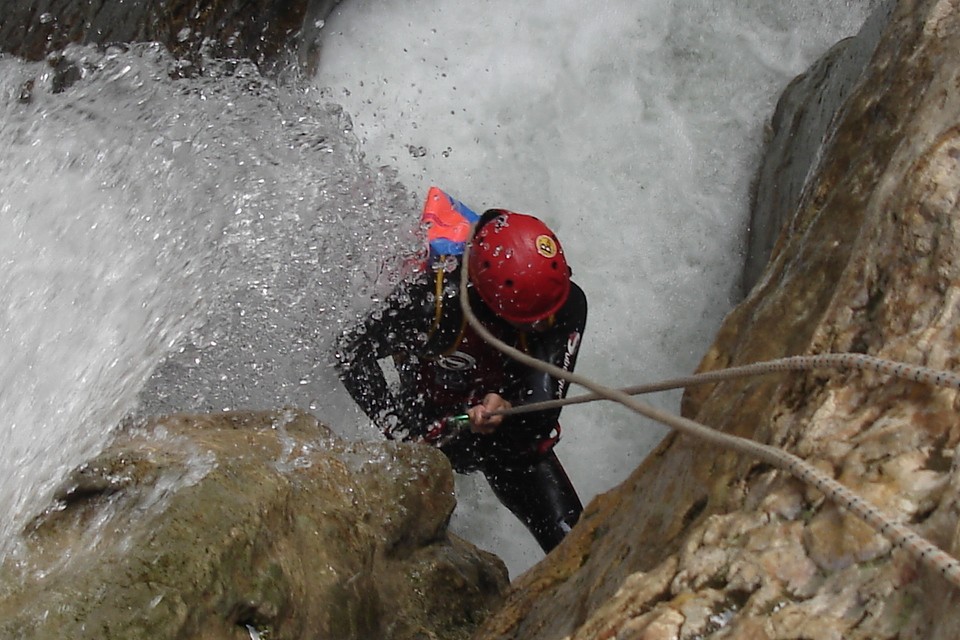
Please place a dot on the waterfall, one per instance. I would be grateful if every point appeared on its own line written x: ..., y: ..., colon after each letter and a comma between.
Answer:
x: 183, y: 239
x: 171, y: 244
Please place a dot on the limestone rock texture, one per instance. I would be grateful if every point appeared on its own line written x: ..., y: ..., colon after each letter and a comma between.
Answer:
x: 707, y: 543
x: 246, y: 525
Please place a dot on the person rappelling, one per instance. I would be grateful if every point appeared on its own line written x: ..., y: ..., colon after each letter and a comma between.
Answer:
x: 452, y: 384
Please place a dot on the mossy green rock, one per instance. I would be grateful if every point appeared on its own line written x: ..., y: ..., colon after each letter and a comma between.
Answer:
x: 245, y: 524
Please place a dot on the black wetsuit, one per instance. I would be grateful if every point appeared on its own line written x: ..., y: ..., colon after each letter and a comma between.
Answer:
x: 445, y: 368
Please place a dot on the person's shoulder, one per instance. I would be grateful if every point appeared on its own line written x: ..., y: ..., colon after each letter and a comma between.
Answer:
x: 421, y: 277
x: 415, y: 289
x: 577, y: 291
x: 573, y: 313
x: 577, y: 300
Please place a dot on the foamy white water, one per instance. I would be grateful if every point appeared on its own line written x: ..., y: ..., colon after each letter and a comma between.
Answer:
x: 211, y: 231
x: 100, y: 272
x: 634, y: 128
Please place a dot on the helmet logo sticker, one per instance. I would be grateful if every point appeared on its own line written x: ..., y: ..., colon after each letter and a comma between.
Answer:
x: 546, y: 246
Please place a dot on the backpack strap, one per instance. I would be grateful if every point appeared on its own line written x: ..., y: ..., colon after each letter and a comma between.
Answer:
x: 439, y: 280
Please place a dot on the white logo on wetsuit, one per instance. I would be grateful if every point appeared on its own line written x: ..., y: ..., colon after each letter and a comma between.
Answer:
x: 573, y: 340
x: 457, y: 361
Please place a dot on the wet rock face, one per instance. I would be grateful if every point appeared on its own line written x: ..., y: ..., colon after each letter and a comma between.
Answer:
x: 705, y: 543
x: 239, y: 524
x: 802, y: 121
x: 262, y: 31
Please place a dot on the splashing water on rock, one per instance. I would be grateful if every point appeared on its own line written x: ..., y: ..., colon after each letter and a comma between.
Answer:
x: 170, y: 244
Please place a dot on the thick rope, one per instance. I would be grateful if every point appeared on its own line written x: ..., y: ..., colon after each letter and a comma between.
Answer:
x: 925, y: 552
x: 914, y: 373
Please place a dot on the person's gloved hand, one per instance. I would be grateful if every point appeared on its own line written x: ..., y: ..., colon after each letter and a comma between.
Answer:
x: 480, y: 419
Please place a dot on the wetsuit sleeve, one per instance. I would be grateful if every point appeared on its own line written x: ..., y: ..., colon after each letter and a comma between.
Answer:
x: 559, y: 346
x: 399, y: 325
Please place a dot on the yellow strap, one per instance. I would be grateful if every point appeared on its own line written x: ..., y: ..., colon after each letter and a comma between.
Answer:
x: 438, y: 310
x: 456, y: 343
x: 438, y: 293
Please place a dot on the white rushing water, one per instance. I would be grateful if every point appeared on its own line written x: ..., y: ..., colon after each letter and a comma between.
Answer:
x: 216, y: 227
x: 194, y: 244
x: 633, y: 127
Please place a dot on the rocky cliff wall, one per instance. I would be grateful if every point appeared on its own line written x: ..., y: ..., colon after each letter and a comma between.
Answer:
x: 705, y: 543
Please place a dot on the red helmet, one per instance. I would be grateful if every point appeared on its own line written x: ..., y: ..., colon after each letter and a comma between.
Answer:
x: 517, y: 266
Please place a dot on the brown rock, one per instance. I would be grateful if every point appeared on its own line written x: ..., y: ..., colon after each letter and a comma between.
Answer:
x: 210, y: 526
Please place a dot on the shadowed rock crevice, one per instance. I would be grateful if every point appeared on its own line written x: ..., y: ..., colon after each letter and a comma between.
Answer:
x: 265, y: 32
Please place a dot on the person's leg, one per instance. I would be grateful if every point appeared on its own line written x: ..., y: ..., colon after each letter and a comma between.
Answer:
x: 540, y: 494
